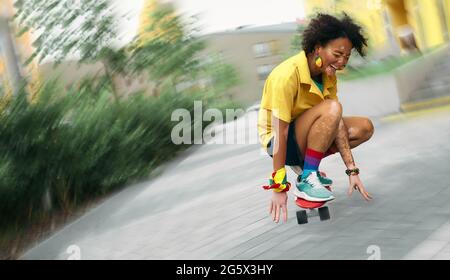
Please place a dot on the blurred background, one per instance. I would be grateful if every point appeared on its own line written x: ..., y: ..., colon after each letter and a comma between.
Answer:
x: 253, y: 43
x: 88, y: 87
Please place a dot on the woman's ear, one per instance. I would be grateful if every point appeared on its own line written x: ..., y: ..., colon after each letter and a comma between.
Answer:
x: 317, y: 49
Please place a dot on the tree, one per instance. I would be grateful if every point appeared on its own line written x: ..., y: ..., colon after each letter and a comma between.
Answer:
x: 296, y: 41
x: 218, y: 76
x: 71, y: 28
x: 67, y: 27
x: 166, y: 47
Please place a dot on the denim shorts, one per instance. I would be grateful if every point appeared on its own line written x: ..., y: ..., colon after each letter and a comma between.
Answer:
x: 293, y: 155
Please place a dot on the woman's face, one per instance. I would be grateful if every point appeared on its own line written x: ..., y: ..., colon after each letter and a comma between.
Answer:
x: 335, y: 55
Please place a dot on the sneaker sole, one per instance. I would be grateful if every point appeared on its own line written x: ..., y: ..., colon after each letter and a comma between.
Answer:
x: 305, y: 196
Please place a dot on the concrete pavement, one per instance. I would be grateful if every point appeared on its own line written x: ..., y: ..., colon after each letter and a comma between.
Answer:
x: 208, y: 204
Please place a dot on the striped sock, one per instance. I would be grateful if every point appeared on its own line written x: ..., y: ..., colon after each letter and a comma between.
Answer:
x: 312, y: 162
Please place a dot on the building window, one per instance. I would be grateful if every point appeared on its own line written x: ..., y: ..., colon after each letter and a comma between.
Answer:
x: 265, y: 49
x: 264, y: 71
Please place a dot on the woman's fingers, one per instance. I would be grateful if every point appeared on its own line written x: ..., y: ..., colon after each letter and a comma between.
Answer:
x: 277, y: 214
x: 366, y: 195
x: 285, y: 215
x: 350, y: 190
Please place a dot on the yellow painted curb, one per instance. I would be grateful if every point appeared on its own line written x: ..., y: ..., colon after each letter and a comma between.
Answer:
x: 414, y: 106
x: 409, y: 115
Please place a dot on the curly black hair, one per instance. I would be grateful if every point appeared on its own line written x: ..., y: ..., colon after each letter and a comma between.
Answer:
x: 325, y: 28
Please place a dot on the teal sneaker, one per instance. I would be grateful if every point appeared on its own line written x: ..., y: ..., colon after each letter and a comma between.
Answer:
x: 326, y: 182
x: 312, y: 189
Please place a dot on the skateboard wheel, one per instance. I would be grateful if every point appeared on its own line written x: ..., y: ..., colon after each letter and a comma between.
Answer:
x: 302, y: 217
x: 324, y: 213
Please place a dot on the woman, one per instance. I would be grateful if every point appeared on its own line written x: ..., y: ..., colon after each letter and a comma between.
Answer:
x: 300, y: 118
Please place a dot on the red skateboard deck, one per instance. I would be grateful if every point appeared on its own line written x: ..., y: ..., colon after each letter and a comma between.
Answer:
x: 306, y: 204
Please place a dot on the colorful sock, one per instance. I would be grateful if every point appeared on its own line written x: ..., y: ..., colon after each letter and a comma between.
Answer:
x: 312, y: 162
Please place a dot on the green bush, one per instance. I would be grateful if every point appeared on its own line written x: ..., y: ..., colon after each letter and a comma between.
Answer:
x: 71, y: 146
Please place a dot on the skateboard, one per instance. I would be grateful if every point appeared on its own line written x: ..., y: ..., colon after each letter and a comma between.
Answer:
x: 311, y: 209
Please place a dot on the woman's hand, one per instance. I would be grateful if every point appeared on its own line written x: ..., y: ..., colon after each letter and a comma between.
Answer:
x: 278, y: 203
x: 356, y: 184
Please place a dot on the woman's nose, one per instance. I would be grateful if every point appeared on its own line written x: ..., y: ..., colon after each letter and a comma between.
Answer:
x: 342, y: 62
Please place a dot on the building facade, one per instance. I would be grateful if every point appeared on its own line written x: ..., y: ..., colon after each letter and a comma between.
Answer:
x: 254, y: 52
x: 394, y: 26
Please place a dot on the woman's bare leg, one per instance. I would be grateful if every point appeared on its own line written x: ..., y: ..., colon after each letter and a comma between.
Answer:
x: 317, y: 127
x: 359, y: 130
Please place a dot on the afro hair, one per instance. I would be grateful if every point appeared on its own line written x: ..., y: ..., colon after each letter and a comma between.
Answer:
x: 325, y: 28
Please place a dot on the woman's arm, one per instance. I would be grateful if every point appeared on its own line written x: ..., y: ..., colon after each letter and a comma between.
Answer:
x: 281, y: 130
x: 278, y: 202
x: 343, y: 146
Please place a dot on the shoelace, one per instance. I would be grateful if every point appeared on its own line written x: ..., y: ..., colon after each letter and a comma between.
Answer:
x: 313, y: 180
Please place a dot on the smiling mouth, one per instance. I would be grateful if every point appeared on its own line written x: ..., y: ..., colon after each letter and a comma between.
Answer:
x: 337, y: 68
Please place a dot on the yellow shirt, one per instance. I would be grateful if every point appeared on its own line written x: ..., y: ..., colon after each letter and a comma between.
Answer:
x: 288, y: 92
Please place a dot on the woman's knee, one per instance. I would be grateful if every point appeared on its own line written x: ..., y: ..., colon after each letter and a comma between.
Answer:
x: 332, y: 108
x: 365, y: 130
x: 369, y: 128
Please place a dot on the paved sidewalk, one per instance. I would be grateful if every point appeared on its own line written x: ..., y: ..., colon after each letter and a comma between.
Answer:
x: 209, y: 205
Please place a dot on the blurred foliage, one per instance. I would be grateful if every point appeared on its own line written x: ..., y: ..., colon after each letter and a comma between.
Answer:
x: 166, y: 49
x: 73, y: 28
x: 296, y: 41
x: 78, y: 144
x: 69, y: 146
x: 67, y: 27
x: 373, y: 67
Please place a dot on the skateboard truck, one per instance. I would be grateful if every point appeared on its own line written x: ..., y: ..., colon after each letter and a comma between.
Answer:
x: 311, y: 209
